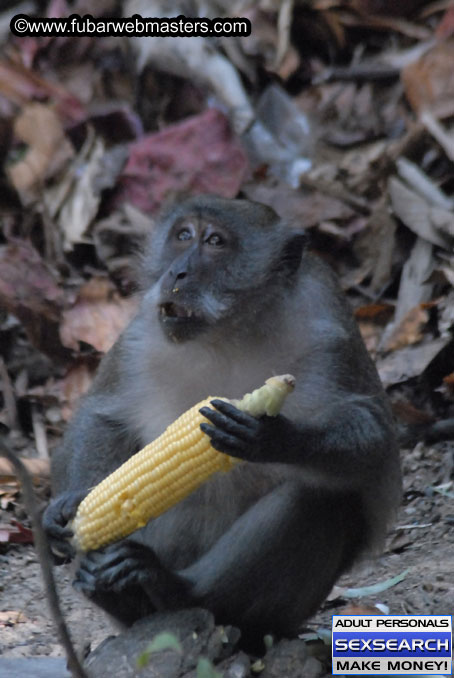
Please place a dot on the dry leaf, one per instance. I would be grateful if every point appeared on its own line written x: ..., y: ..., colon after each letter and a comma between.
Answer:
x: 36, y: 467
x: 48, y: 148
x: 415, y: 285
x: 29, y: 290
x: 20, y: 85
x: 198, y: 155
x: 420, y: 217
x: 376, y: 312
x: 97, y: 317
x: 409, y: 330
x: 82, y: 203
x: 429, y: 81
x: 408, y: 362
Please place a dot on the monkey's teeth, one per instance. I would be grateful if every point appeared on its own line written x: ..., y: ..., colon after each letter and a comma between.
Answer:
x: 170, y: 310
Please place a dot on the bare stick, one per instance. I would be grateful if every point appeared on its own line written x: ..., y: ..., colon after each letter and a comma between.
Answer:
x: 42, y: 550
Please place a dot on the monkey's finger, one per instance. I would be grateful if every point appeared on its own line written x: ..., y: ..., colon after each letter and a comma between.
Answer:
x: 224, y: 442
x: 69, y: 504
x: 228, y: 425
x: 55, y: 531
x: 85, y: 583
x: 121, y: 575
x: 97, y: 562
x: 62, y: 551
x: 234, y: 413
x: 112, y: 556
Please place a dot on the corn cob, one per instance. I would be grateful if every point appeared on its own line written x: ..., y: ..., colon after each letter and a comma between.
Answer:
x: 164, y: 472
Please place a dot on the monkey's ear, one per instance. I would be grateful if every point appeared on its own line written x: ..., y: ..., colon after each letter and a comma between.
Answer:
x: 292, y: 252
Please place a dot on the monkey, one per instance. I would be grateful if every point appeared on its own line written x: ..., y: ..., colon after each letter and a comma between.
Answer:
x: 231, y: 295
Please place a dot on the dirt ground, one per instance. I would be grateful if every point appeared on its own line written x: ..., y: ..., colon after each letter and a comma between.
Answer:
x: 422, y: 542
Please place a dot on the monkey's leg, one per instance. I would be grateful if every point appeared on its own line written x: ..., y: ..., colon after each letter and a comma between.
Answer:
x: 126, y: 580
x: 267, y: 573
x: 279, y: 560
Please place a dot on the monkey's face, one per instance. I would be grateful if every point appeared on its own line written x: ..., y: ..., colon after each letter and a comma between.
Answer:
x: 192, y: 291
x: 214, y: 264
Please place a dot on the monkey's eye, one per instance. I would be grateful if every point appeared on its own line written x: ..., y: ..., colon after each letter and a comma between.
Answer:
x: 184, y: 234
x: 215, y: 240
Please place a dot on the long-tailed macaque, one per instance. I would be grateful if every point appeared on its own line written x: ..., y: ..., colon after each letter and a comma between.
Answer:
x: 231, y: 296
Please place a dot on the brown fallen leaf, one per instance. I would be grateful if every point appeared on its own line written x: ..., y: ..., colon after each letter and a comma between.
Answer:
x: 49, y: 150
x: 97, y: 317
x: 409, y: 414
x: 379, y: 313
x: 371, y: 333
x: 21, y: 85
x: 410, y: 329
x: 429, y: 81
x: 449, y: 379
x: 36, y: 467
x: 445, y: 28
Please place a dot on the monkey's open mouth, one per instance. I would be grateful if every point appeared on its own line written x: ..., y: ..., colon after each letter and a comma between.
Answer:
x: 179, y: 322
x: 170, y: 310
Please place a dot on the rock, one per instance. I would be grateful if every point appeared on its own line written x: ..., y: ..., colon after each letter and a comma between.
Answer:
x: 196, y: 631
x: 289, y: 658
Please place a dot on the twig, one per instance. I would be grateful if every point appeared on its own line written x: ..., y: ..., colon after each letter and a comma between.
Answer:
x: 420, y: 182
x: 8, y: 396
x: 284, y: 22
x: 439, y: 133
x: 413, y: 526
x: 356, y: 73
x: 39, y: 432
x: 43, y: 550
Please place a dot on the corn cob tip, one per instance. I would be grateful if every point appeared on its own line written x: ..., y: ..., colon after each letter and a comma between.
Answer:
x: 269, y: 398
x: 283, y: 381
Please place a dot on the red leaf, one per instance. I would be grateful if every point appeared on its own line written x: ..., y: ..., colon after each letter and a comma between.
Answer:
x: 198, y: 155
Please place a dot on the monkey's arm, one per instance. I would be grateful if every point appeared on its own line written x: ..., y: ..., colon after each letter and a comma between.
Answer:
x: 94, y: 445
x: 332, y: 429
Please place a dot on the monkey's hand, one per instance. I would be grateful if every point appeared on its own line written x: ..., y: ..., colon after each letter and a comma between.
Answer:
x: 115, y: 568
x: 241, y: 435
x: 55, y: 522
x: 126, y: 567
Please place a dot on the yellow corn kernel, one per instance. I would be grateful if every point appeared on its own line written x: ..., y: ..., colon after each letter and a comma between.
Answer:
x: 164, y: 472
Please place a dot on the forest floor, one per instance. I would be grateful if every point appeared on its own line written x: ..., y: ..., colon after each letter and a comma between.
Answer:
x: 426, y: 550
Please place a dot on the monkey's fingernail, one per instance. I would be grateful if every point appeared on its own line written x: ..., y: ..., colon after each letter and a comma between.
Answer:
x: 175, y: 290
